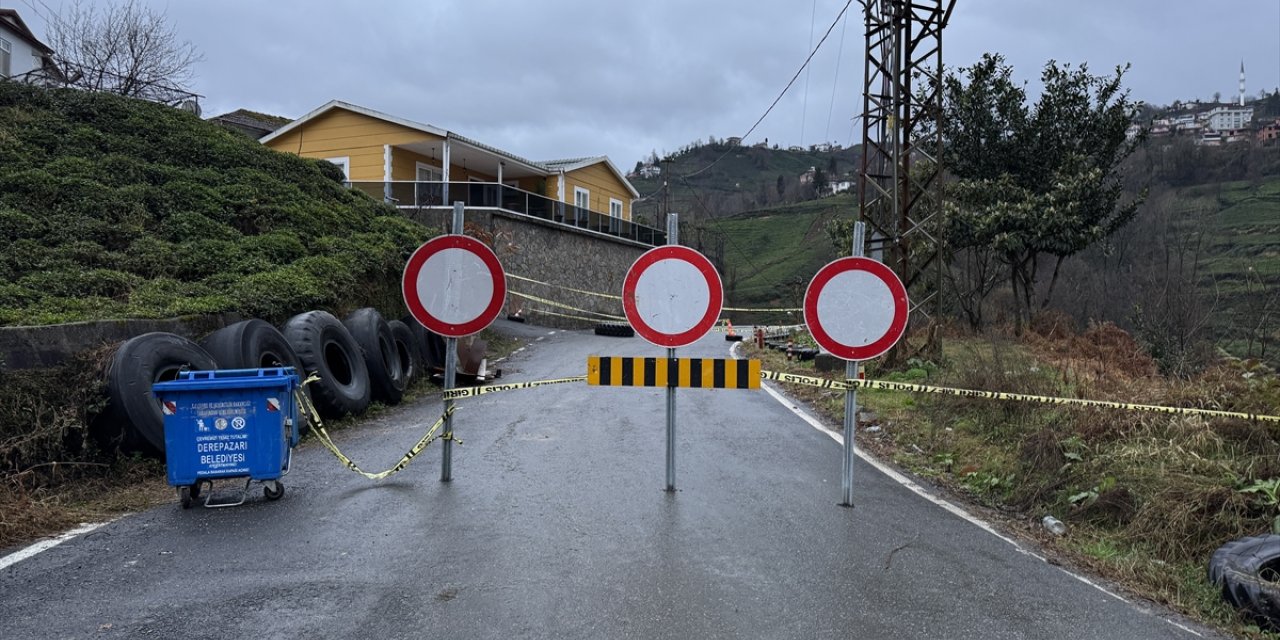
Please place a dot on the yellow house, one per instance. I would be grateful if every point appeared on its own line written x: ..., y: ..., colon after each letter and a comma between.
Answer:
x: 412, y: 164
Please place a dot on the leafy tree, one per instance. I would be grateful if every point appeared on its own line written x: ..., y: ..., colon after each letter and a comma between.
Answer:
x: 1035, y: 181
x: 782, y: 185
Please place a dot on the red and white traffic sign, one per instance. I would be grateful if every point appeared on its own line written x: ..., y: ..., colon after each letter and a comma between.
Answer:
x: 672, y: 296
x: 454, y: 285
x: 856, y: 308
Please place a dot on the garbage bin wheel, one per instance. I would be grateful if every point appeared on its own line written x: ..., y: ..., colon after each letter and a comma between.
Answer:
x: 273, y: 490
x: 184, y: 496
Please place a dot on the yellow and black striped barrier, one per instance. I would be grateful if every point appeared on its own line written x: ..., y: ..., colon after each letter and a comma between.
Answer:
x: 696, y: 373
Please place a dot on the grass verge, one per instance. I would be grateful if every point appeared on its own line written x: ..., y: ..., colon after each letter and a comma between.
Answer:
x: 1147, y: 497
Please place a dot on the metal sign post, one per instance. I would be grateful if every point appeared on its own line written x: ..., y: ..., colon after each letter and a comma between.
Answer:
x: 451, y: 373
x: 851, y: 396
x: 673, y: 237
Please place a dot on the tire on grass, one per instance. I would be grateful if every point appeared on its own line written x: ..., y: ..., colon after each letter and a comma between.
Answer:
x: 1248, y: 573
x: 408, y: 350
x: 381, y: 358
x: 250, y: 344
x: 134, y: 420
x: 326, y: 348
x: 617, y: 330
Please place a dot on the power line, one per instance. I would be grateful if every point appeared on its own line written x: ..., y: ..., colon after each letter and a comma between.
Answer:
x: 780, y: 95
x: 804, y: 108
x: 835, y: 83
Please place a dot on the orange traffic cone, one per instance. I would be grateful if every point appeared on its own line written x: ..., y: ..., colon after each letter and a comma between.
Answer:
x: 731, y: 336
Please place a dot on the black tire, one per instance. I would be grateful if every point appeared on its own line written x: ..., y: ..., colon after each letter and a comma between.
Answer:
x: 185, y: 497
x: 407, y: 349
x: 430, y: 343
x: 614, y: 329
x: 515, y: 318
x: 733, y: 338
x: 133, y: 420
x: 1247, y: 570
x: 250, y: 344
x: 373, y: 334
x: 326, y: 348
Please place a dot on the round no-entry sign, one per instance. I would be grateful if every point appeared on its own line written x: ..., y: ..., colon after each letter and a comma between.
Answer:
x: 454, y: 285
x: 672, y: 296
x: 856, y: 308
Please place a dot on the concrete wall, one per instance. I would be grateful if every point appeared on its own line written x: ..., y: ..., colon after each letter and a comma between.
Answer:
x: 553, y: 254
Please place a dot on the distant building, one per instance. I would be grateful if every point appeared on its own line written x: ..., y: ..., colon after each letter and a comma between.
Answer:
x: 734, y: 141
x: 1269, y: 132
x: 22, y: 55
x: 650, y: 171
x: 251, y: 123
x: 795, y: 147
x: 1227, y: 118
x: 821, y: 147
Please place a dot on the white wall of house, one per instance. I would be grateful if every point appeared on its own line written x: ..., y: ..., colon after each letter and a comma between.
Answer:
x: 22, y: 57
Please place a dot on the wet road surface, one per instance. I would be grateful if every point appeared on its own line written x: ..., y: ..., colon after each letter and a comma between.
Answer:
x: 556, y: 526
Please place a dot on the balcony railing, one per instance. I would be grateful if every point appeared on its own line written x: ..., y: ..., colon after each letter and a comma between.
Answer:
x: 500, y: 196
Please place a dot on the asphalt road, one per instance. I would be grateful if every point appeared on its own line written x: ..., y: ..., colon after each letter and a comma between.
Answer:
x: 556, y: 525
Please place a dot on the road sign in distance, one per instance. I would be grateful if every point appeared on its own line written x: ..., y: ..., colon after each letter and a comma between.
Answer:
x: 856, y: 308
x: 672, y: 296
x: 454, y: 285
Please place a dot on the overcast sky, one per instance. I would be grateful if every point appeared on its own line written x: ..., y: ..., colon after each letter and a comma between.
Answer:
x: 567, y: 78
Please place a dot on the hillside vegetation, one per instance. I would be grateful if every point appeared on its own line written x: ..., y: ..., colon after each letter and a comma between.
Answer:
x: 112, y: 208
x: 771, y: 253
x: 743, y: 179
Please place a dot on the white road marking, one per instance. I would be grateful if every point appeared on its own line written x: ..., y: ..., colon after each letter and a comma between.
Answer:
x: 45, y: 545
x: 923, y: 493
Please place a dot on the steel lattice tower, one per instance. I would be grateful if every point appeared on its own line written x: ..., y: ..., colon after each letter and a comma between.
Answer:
x: 900, y: 187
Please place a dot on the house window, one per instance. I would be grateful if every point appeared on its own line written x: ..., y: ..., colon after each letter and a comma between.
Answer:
x: 6, y: 53
x: 615, y: 207
x: 428, y: 173
x: 428, y: 194
x: 345, y: 163
x: 581, y: 198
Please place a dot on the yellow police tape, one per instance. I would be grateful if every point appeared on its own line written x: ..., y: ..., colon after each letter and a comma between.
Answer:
x: 563, y: 315
x: 824, y: 383
x: 317, y: 428
x: 471, y: 392
x: 841, y: 385
x: 561, y: 305
x: 557, y: 286
x: 613, y: 297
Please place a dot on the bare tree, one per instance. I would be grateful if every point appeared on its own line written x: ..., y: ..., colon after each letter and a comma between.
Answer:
x: 124, y: 48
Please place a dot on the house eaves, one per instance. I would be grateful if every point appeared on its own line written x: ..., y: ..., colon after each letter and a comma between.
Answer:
x: 573, y: 164
x: 338, y: 104
x: 10, y: 19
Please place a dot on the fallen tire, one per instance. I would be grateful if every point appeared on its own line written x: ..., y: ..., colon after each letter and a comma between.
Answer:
x: 733, y: 338
x: 615, y: 329
x: 408, y: 350
x: 430, y: 343
x: 1248, y: 573
x: 133, y: 420
x: 373, y: 334
x: 251, y: 344
x: 326, y: 348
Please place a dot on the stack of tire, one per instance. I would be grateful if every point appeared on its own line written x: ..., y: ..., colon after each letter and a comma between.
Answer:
x: 1248, y: 573
x: 359, y: 360
x: 615, y: 329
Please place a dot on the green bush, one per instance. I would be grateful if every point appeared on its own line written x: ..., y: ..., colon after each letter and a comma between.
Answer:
x: 111, y: 207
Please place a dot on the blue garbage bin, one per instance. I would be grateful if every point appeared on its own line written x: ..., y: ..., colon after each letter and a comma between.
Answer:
x: 229, y: 423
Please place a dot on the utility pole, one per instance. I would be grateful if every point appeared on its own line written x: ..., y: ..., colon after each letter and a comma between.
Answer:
x: 899, y: 182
